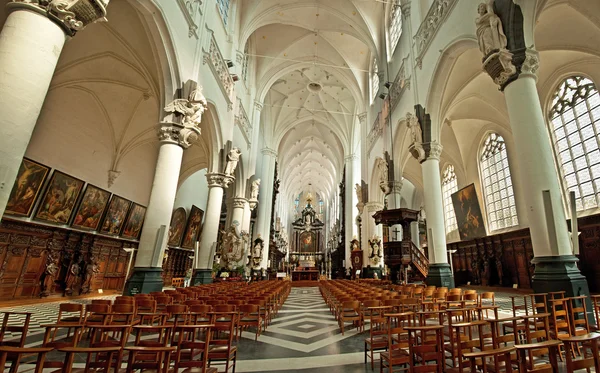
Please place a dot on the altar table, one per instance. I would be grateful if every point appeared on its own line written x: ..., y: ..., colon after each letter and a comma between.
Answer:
x: 310, y: 275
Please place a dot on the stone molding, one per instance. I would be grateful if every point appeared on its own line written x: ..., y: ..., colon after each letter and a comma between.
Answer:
x: 362, y: 117
x: 433, y: 150
x: 258, y: 105
x: 437, y: 14
x: 239, y: 202
x: 350, y: 158
x: 269, y: 151
x: 219, y: 180
x: 374, y: 206
x: 173, y: 133
x: 70, y: 15
x: 531, y: 64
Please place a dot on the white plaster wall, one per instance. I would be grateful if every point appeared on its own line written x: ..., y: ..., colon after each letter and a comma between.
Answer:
x: 193, y: 191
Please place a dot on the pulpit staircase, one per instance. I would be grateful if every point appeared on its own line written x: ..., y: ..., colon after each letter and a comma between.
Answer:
x: 418, y: 260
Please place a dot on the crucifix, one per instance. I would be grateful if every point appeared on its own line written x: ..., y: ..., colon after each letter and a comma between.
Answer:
x: 395, y: 232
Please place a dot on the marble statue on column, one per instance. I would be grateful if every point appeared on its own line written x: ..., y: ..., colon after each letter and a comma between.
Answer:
x: 254, y: 190
x: 416, y: 133
x: 490, y: 33
x: 232, y: 160
x: 358, y: 192
x: 384, y: 184
x: 190, y: 111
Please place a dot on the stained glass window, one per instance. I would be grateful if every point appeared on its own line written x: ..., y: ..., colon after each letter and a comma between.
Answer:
x: 575, y: 124
x: 497, y: 184
x: 374, y: 80
x: 449, y: 186
x: 223, y: 9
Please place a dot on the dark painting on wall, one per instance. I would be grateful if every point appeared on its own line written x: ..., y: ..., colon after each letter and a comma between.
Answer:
x: 115, y: 216
x: 134, y: 222
x: 468, y: 213
x: 91, y: 208
x: 308, y: 242
x: 193, y: 228
x: 60, y: 198
x: 177, y: 227
x: 26, y: 189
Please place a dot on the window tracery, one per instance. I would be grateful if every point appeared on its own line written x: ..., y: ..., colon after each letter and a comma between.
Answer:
x: 395, y: 30
x: 575, y: 127
x: 449, y: 186
x: 374, y: 80
x: 497, y: 184
x: 223, y: 6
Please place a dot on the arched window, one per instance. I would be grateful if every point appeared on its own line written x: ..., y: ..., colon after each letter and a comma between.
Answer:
x: 497, y: 184
x: 449, y: 186
x: 374, y: 80
x: 245, y: 64
x: 395, y: 26
x: 223, y: 9
x: 575, y: 126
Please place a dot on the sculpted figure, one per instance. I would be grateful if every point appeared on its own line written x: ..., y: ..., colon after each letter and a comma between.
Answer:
x: 490, y: 33
x: 232, y: 160
x: 415, y: 128
x: 358, y: 192
x: 254, y: 192
x: 191, y: 108
x: 383, y: 170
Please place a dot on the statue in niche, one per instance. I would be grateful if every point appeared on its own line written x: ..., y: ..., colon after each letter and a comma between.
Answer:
x: 72, y: 277
x: 254, y: 191
x: 232, y: 160
x: 257, y: 250
x: 383, y: 170
x: 358, y: 192
x: 191, y: 108
x: 490, y: 34
x: 91, y: 269
x: 414, y: 127
x: 49, y: 275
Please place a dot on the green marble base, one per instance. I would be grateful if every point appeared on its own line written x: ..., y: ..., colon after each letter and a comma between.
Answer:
x: 144, y: 280
x: 202, y: 276
x: 440, y: 275
x: 561, y: 273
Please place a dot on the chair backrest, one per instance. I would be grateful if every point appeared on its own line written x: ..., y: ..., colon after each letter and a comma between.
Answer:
x: 224, y: 308
x: 145, y: 305
x: 155, y: 359
x: 16, y: 353
x: 70, y: 312
x: 102, y: 301
x: 152, y: 335
x: 92, y: 309
x: 193, y: 338
x: 11, y: 323
x: 578, y: 315
x: 426, y: 345
x: 97, y: 358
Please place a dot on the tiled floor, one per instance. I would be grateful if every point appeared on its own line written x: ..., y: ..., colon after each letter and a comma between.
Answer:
x: 304, y: 337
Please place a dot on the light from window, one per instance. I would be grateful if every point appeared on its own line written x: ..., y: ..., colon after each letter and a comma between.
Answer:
x: 395, y: 26
x: 245, y: 65
x: 374, y: 80
x: 223, y: 9
x: 449, y: 186
x: 575, y: 125
x: 497, y: 184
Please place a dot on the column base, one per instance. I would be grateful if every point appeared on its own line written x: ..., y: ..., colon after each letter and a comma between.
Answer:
x: 440, y: 275
x: 202, y: 276
x: 144, y: 280
x: 561, y: 273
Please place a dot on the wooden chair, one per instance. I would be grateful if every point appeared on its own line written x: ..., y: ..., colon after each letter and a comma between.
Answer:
x: 249, y: 315
x: 192, y: 342
x: 578, y: 315
x: 152, y: 335
x: 10, y: 324
x: 467, y: 337
x: 154, y: 359
x: 596, y: 307
x: 97, y: 359
x: 426, y: 345
x: 15, y: 354
x: 561, y: 325
x: 70, y: 313
x: 397, y: 343
x: 378, y: 330
x: 350, y: 312
x: 491, y: 358
x: 221, y: 348
x: 589, y: 359
x: 102, y: 336
x: 528, y: 365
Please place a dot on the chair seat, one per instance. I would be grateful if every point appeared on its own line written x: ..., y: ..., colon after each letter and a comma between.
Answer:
x: 394, y: 355
x: 377, y: 342
x: 199, y: 370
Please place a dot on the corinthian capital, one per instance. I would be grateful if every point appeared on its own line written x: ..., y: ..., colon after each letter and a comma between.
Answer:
x: 70, y: 15
x: 433, y: 150
x: 218, y: 180
x: 239, y: 202
x: 174, y: 133
x: 374, y: 206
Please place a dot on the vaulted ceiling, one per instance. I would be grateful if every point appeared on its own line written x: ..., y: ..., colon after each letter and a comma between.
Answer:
x: 312, y: 61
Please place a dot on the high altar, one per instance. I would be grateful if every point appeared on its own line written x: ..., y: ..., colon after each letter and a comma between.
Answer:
x: 306, y: 254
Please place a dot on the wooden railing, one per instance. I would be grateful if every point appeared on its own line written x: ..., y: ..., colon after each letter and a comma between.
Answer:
x: 419, y: 260
x: 397, y: 252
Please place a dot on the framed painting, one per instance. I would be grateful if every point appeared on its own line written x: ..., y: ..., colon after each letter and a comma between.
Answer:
x: 29, y: 182
x: 468, y: 213
x: 177, y: 227
x: 60, y: 198
x: 91, y: 208
x: 192, y: 230
x: 134, y: 222
x: 115, y: 215
x: 308, y: 242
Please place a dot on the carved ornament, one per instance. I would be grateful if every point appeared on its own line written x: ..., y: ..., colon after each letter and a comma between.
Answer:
x: 70, y: 15
x: 218, y: 180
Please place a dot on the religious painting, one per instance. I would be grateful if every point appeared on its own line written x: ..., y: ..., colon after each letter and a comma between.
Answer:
x: 115, y: 215
x: 192, y: 230
x: 468, y: 213
x: 308, y: 242
x: 26, y: 189
x: 91, y: 208
x: 60, y: 198
x: 177, y: 227
x: 134, y: 222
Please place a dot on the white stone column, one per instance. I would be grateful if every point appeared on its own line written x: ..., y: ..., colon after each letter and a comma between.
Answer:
x: 237, y: 211
x: 370, y: 229
x: 31, y: 42
x: 439, y: 269
x: 174, y: 138
x: 536, y: 163
x: 217, y: 182
x: 265, y: 202
x: 247, y: 216
x: 351, y: 201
